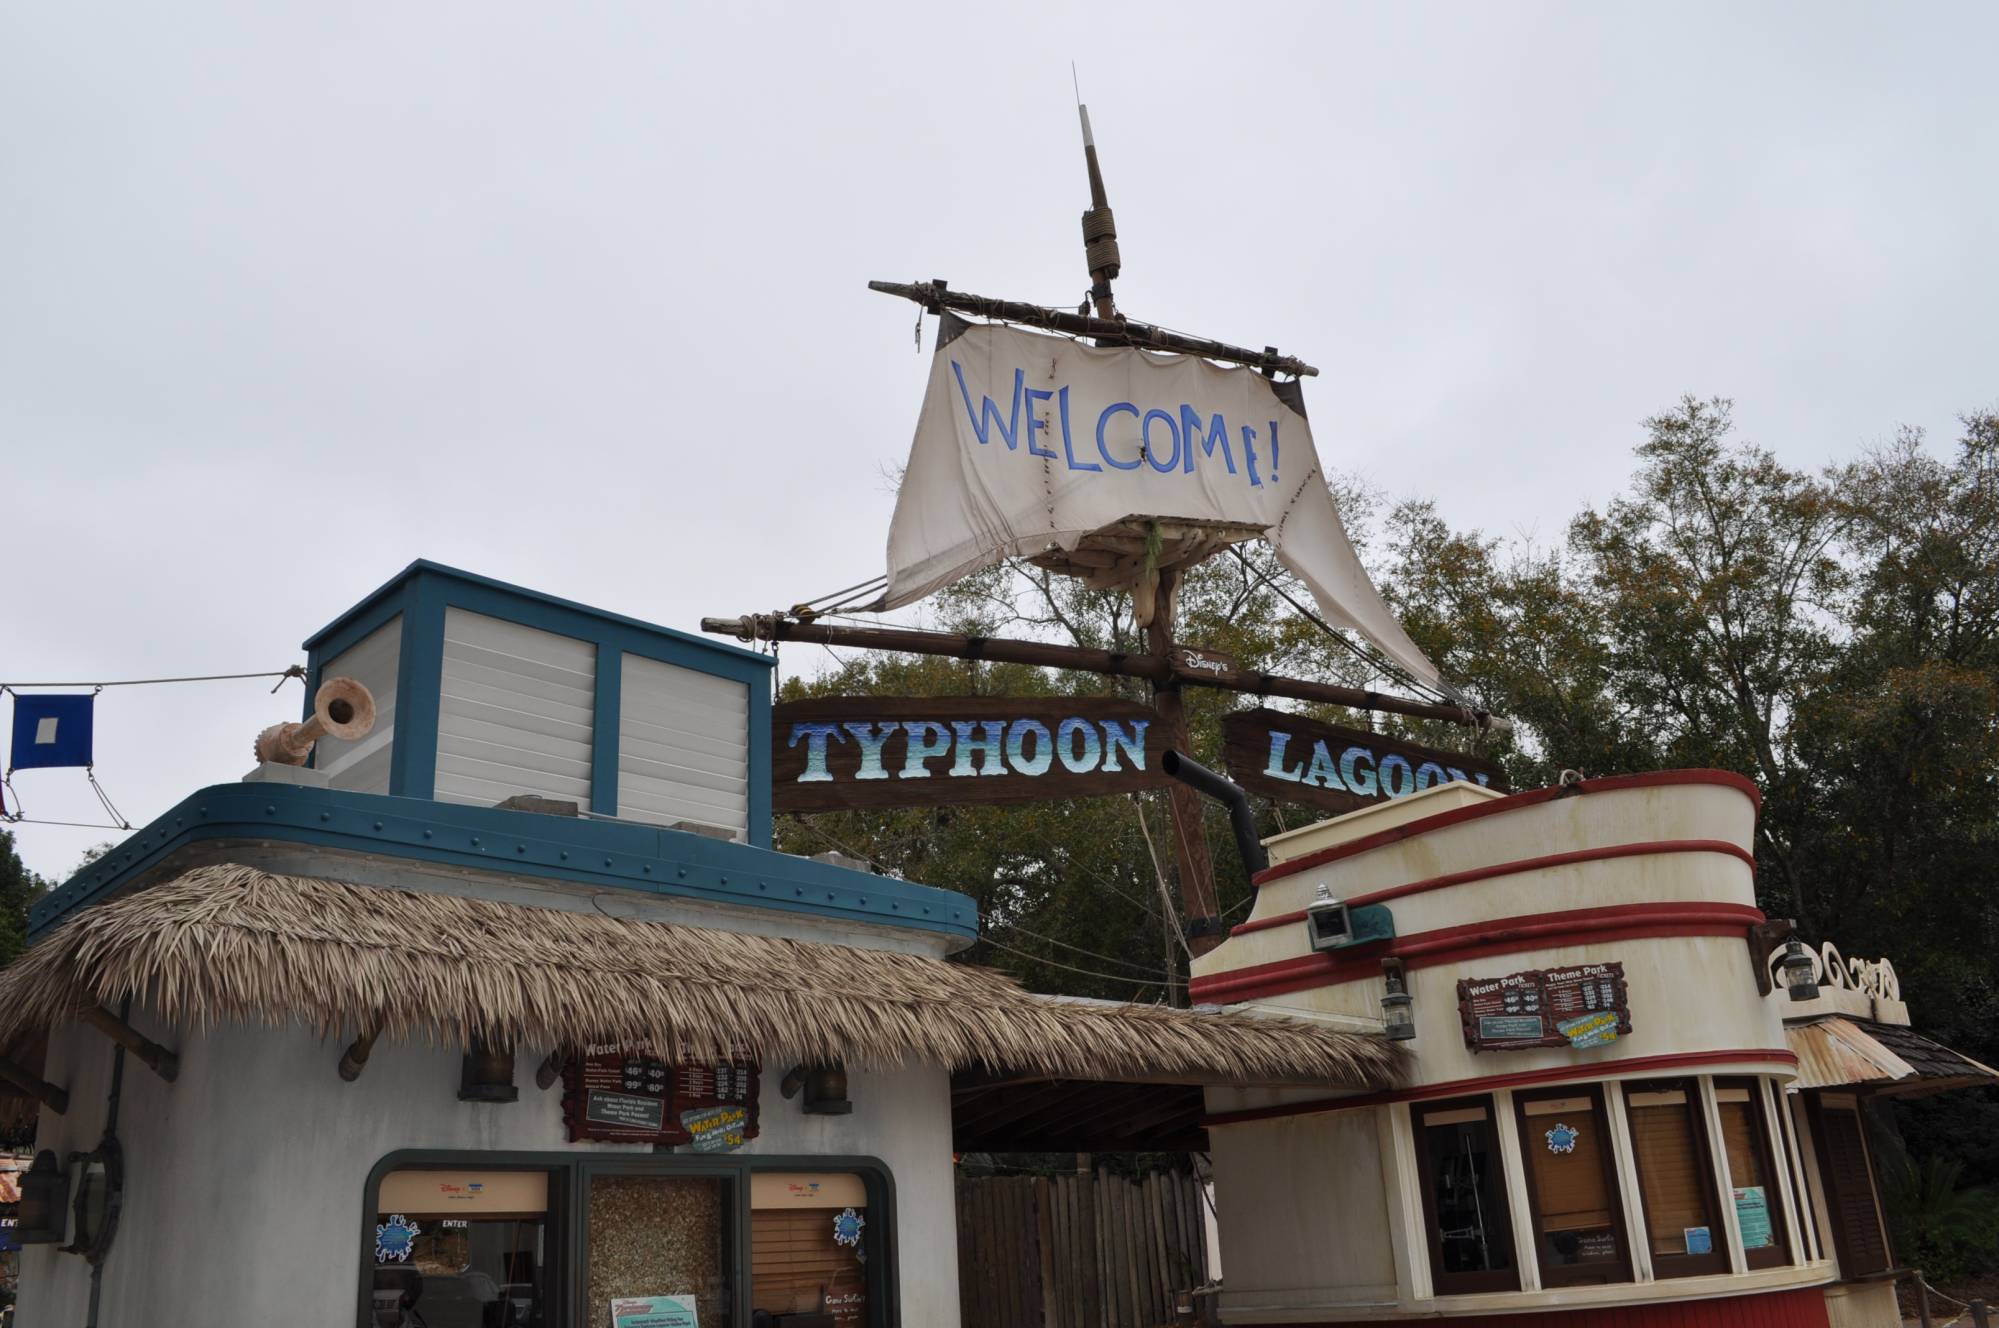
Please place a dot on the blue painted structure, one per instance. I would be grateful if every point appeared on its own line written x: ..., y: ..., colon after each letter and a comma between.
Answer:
x: 408, y: 823
x: 423, y: 591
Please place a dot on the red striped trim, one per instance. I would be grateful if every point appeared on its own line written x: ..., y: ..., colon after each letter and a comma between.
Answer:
x: 1513, y: 802
x: 1554, y: 1074
x: 1802, y: 1307
x: 1642, y: 849
x: 1533, y: 931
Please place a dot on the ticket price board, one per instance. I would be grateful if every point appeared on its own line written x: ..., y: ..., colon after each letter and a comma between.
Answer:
x: 1579, y: 1007
x: 628, y: 1097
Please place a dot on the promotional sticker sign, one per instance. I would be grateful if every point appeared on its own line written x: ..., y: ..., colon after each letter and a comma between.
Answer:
x: 654, y: 1312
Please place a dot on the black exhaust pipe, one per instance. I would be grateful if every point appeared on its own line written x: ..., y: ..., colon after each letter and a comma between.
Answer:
x: 1196, y: 776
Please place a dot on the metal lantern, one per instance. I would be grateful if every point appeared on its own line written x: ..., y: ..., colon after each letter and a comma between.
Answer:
x: 1326, y: 921
x: 1398, y: 1008
x: 1800, y: 971
x: 43, y: 1217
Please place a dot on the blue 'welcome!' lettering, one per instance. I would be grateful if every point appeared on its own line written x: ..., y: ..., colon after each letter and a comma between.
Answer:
x: 1164, y: 438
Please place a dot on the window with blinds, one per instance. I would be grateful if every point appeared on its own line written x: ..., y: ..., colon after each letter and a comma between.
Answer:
x: 1848, y: 1176
x: 1669, y: 1151
x: 809, y: 1238
x: 1752, y: 1174
x: 1572, y: 1186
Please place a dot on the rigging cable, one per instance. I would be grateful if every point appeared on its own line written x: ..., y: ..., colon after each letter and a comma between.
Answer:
x: 1382, y: 665
x: 17, y: 815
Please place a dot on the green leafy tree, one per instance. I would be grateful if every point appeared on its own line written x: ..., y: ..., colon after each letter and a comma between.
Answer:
x: 19, y: 889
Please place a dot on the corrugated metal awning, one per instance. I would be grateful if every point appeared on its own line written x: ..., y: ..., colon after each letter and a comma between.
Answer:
x: 1840, y: 1052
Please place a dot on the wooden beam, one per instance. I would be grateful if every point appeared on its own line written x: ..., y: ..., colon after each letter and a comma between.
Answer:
x: 936, y: 297
x: 54, y: 1098
x: 549, y: 1070
x: 158, y: 1059
x: 355, y: 1058
x: 1046, y: 654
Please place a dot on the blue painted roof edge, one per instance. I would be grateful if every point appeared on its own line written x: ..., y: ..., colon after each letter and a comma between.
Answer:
x: 619, y: 854
x: 425, y: 567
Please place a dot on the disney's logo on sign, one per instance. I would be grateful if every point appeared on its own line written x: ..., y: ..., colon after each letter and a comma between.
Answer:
x: 1192, y: 660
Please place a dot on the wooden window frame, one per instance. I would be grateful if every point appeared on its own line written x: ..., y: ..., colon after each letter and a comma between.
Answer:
x: 569, y: 1175
x: 1778, y: 1253
x: 1681, y: 1265
x: 1463, y: 1284
x: 1811, y: 1241
x: 1557, y: 1276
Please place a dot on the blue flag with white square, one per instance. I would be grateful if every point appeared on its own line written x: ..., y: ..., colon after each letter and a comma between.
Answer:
x: 51, y: 731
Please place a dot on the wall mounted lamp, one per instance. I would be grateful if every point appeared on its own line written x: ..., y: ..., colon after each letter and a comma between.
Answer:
x: 486, y: 1074
x: 1801, y: 973
x: 824, y: 1086
x: 1398, y: 1008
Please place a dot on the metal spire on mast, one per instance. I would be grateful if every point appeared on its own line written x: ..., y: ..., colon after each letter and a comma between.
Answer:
x: 1099, y: 225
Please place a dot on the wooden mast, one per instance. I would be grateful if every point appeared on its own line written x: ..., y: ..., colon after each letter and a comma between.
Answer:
x: 1192, y: 864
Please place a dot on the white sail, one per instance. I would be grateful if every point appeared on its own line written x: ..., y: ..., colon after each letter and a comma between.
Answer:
x: 1031, y: 445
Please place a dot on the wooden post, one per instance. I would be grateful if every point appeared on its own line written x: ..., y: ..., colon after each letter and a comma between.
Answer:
x: 1979, y: 1318
x: 1190, y: 841
x: 1923, y: 1301
x: 157, y: 1058
x: 49, y: 1095
x: 355, y: 1058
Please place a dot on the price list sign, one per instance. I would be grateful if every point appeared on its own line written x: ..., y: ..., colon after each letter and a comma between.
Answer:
x: 628, y: 1097
x: 1583, y: 1006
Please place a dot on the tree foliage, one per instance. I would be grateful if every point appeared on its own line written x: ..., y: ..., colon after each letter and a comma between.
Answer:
x: 19, y: 888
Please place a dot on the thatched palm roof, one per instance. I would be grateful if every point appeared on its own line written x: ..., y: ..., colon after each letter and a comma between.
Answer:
x: 233, y: 943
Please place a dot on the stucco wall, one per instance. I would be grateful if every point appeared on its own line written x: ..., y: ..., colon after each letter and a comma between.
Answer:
x: 245, y: 1179
x: 1302, y: 1206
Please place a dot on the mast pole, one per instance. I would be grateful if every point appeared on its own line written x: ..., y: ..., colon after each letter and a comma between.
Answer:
x: 1191, y: 861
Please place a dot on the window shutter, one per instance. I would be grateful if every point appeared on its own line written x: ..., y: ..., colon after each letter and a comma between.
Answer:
x: 1673, y: 1179
x: 1849, y: 1181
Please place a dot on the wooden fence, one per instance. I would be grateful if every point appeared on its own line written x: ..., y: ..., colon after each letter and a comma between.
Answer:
x: 1078, y: 1251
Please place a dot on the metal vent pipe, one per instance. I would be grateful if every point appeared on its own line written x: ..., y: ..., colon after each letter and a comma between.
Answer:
x: 1198, y: 777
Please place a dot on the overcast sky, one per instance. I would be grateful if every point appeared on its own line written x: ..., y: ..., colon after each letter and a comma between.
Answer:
x: 575, y: 295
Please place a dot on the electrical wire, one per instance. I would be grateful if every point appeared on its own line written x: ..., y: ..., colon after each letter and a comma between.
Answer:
x: 1071, y: 968
x: 1088, y: 954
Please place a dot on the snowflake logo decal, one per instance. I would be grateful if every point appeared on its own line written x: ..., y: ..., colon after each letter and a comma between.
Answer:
x: 1562, y: 1139
x: 394, y: 1239
x: 847, y: 1226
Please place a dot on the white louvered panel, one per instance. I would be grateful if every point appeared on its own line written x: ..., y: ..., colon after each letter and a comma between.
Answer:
x: 514, y: 712
x: 363, y: 766
x: 683, y: 746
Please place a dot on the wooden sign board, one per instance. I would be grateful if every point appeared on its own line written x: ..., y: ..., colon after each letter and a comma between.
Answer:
x: 1342, y: 770
x: 1579, y: 1007
x: 628, y: 1097
x: 864, y: 751
x: 1193, y: 659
